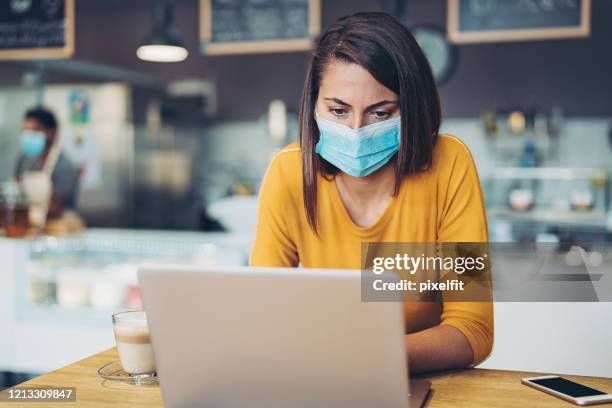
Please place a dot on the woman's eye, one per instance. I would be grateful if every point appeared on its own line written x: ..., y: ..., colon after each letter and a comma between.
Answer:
x: 338, y: 111
x: 380, y: 115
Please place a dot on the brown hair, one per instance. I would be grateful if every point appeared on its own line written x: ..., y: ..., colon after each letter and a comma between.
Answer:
x: 386, y: 49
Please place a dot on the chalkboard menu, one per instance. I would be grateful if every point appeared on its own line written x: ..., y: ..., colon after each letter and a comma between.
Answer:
x: 472, y: 21
x: 252, y: 26
x: 36, y: 29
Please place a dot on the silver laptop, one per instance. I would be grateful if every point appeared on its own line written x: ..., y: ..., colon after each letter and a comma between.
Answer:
x: 274, y: 337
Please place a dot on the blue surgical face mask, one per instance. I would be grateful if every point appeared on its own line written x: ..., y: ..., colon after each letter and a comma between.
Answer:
x: 32, y: 143
x: 358, y: 152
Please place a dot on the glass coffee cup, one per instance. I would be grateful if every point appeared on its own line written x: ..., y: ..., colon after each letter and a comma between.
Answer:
x: 134, y: 343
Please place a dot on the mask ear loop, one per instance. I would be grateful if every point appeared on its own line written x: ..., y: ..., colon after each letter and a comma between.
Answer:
x: 399, y: 132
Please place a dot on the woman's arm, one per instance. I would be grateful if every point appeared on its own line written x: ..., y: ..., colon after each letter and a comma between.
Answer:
x: 465, y: 335
x: 438, y: 348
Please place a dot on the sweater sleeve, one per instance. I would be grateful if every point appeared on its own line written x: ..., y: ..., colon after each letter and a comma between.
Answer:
x: 273, y: 243
x: 463, y: 219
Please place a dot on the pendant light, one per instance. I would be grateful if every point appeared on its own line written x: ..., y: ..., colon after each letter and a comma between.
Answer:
x: 164, y: 44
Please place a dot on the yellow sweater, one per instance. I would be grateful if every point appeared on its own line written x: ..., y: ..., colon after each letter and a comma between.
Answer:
x: 442, y: 204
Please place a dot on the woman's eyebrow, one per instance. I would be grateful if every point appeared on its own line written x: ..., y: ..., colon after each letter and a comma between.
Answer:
x: 373, y: 106
x: 338, y: 101
x: 381, y: 103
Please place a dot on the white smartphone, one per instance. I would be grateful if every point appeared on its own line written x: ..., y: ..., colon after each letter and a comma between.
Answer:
x: 568, y: 390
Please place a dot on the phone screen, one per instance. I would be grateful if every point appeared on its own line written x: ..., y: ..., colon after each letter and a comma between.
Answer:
x: 567, y: 387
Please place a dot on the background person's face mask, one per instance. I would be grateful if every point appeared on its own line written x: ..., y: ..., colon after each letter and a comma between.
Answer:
x: 32, y: 143
x: 358, y: 152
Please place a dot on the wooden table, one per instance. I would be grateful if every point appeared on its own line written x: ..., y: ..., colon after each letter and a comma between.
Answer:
x: 462, y: 388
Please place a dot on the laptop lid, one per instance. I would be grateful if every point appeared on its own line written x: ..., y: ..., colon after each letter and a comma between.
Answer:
x: 273, y: 337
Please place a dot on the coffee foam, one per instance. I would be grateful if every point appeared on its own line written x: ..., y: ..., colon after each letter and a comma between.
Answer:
x: 132, y: 333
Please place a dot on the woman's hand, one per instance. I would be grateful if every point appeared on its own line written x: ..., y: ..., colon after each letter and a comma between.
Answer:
x: 440, y: 347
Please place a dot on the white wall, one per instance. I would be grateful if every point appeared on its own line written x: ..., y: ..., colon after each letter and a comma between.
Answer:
x: 561, y: 338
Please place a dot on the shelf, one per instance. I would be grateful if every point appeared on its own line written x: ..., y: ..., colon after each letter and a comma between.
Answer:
x: 589, y: 219
x: 548, y: 173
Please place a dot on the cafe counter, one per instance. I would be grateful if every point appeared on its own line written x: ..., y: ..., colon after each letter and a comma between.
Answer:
x: 57, y: 296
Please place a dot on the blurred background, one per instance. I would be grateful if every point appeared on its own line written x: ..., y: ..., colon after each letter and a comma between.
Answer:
x: 169, y: 112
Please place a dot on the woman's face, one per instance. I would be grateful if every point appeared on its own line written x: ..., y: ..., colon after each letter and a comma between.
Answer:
x: 349, y: 95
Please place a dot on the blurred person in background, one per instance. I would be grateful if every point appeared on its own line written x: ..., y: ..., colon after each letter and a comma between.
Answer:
x: 40, y: 151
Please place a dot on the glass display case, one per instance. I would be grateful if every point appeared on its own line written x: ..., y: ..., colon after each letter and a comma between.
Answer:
x: 58, y: 294
x: 92, y: 274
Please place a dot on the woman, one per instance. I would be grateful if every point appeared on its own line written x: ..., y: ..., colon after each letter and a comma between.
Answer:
x: 371, y: 167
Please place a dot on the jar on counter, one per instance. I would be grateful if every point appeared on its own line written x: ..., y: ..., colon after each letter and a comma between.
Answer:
x: 106, y: 293
x: 43, y: 288
x: 72, y: 287
x: 14, y: 210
